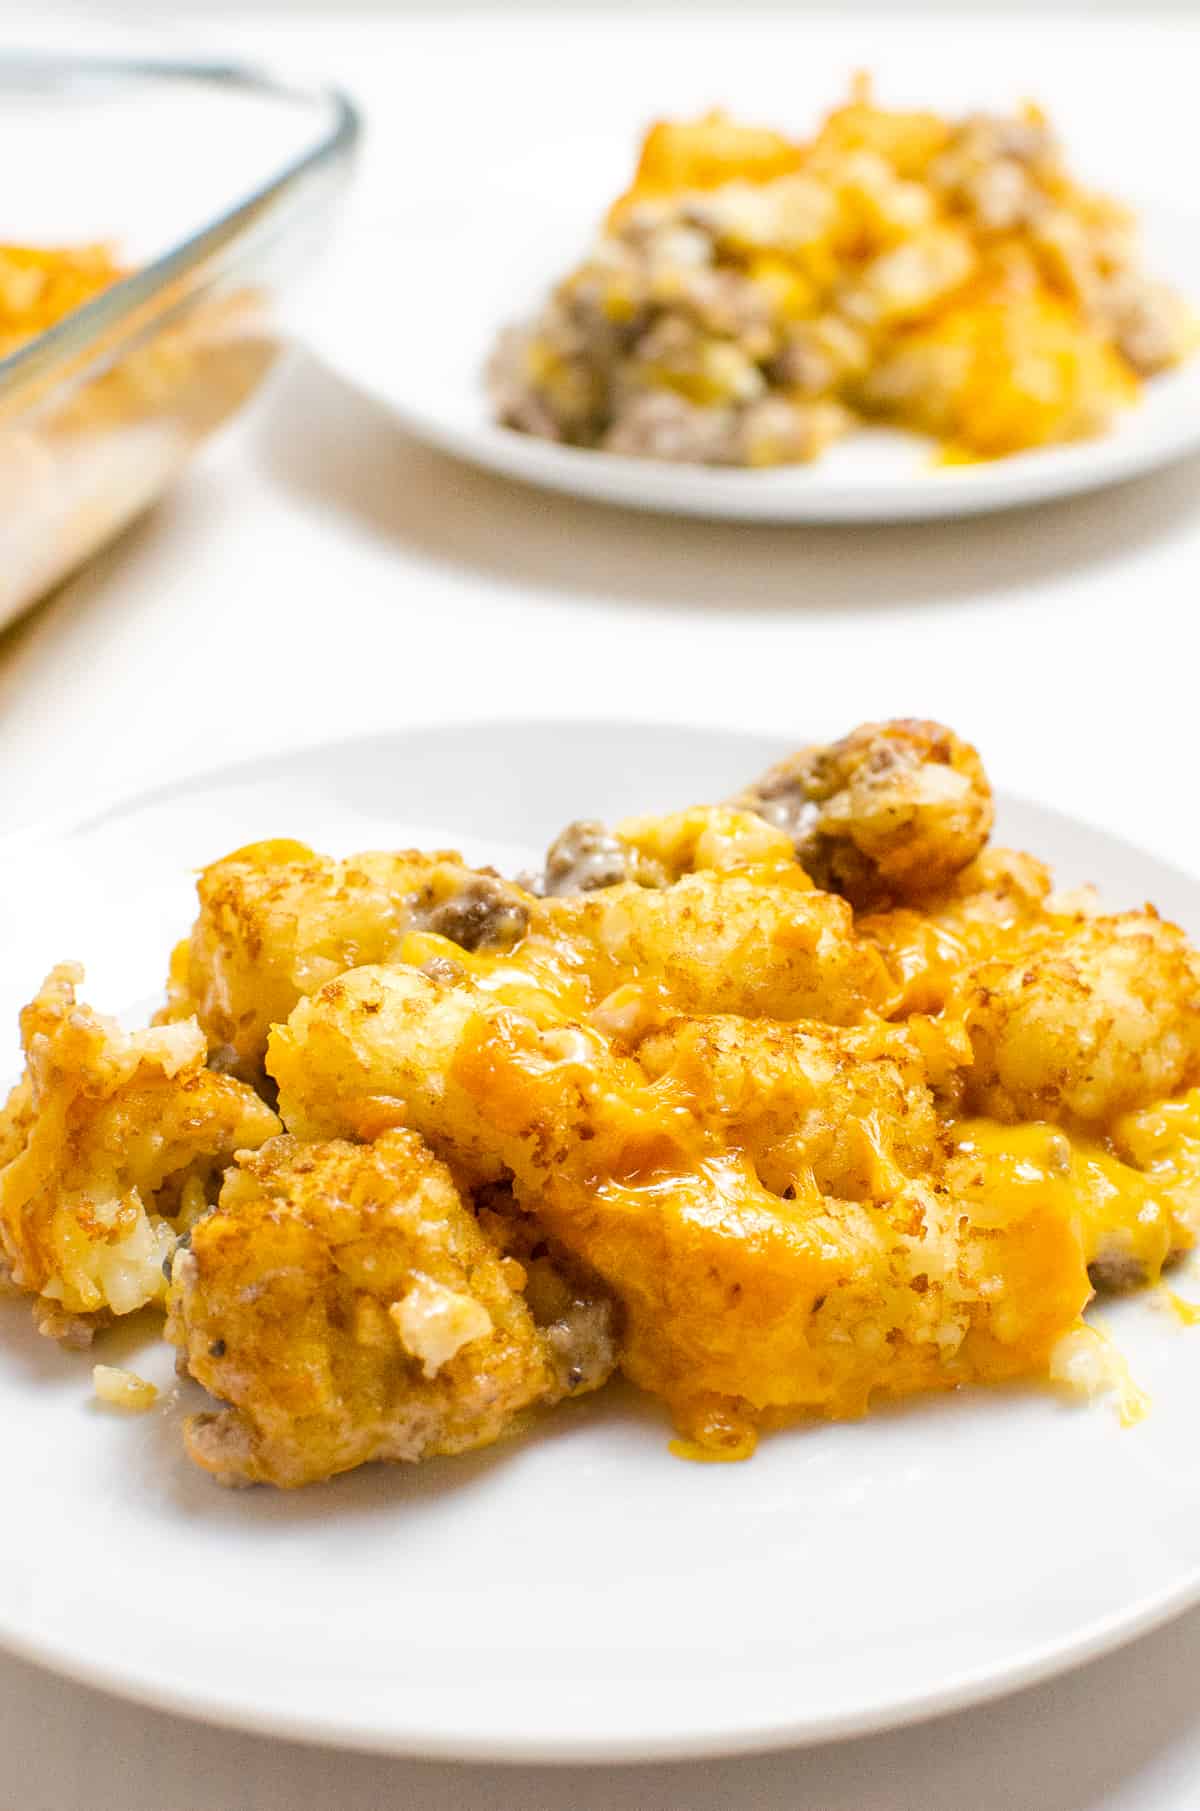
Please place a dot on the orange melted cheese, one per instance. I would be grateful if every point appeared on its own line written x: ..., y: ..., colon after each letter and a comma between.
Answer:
x: 1186, y: 1313
x: 751, y: 1297
x: 1135, y: 1197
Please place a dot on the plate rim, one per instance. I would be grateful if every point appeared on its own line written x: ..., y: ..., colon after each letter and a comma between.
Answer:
x: 706, y: 493
x: 1105, y: 1636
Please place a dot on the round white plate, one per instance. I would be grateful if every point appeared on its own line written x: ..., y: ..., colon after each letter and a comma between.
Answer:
x: 578, y: 1593
x: 425, y: 293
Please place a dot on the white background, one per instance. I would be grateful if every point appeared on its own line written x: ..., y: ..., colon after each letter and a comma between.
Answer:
x: 318, y: 575
x: 134, y: 10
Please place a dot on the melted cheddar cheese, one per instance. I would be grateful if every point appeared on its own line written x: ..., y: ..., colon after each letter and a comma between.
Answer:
x: 1132, y: 1220
x: 797, y: 1216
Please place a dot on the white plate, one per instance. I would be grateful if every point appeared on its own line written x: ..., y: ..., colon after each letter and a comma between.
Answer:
x: 427, y: 291
x: 580, y: 1593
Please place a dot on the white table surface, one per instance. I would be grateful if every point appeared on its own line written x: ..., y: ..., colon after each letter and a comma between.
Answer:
x: 317, y: 575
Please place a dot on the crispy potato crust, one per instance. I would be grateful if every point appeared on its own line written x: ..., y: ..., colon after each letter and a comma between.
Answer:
x: 891, y: 812
x: 344, y: 1304
x: 108, y: 1137
x: 277, y: 920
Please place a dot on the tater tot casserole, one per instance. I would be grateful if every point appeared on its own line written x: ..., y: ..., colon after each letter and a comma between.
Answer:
x: 780, y: 1107
x: 753, y: 297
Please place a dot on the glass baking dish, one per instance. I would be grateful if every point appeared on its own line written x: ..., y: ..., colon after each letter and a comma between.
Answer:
x: 215, y: 185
